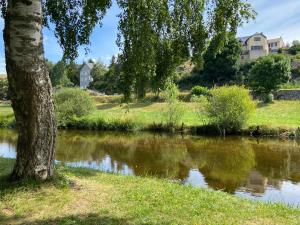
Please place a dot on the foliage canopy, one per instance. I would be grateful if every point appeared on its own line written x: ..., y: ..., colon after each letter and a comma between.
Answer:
x: 157, y: 35
x: 229, y: 108
x: 70, y: 103
x: 268, y: 73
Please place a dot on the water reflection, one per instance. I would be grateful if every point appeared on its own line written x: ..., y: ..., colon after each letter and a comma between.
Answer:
x: 268, y: 170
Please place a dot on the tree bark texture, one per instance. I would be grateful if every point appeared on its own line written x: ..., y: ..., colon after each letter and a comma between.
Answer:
x: 30, y: 90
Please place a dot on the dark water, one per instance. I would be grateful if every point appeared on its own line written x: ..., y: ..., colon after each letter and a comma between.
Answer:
x: 266, y: 170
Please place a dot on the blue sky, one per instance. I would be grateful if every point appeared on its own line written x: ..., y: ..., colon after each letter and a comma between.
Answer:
x: 275, y: 18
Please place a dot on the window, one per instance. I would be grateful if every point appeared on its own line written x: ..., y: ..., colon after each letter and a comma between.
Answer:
x: 257, y: 38
x: 258, y: 47
x: 274, y: 44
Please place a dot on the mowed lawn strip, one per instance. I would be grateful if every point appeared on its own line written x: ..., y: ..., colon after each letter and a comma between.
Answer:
x: 81, y: 196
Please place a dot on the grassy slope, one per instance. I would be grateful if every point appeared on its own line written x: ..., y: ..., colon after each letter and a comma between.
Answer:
x: 88, y: 197
x: 282, y: 113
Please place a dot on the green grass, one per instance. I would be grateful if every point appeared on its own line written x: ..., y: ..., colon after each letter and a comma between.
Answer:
x: 81, y: 196
x: 291, y: 86
x: 281, y: 113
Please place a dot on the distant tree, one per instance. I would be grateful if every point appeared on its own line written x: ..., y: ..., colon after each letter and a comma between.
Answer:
x: 58, y: 75
x: 295, y: 48
x: 222, y: 68
x: 269, y: 73
x: 98, y: 72
x: 73, y: 73
x: 57, y: 72
x: 49, y: 64
x: 244, y: 73
x: 3, y: 88
x: 107, y: 79
x: 166, y: 63
x: 113, y: 77
x: 155, y: 36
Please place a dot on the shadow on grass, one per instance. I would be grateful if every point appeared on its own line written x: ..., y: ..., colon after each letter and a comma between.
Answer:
x: 77, y: 172
x: 89, y: 219
x: 29, y: 185
x: 59, y: 180
x: 107, y: 106
x: 263, y: 104
x: 140, y: 105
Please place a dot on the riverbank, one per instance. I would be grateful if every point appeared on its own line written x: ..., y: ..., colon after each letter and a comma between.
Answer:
x: 81, y: 196
x: 279, y: 119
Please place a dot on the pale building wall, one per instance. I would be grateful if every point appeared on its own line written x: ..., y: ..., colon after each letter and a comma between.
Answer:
x: 275, y: 44
x: 257, y: 46
x: 85, y: 76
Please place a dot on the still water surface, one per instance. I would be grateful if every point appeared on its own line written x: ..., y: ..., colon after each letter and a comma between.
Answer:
x: 266, y: 170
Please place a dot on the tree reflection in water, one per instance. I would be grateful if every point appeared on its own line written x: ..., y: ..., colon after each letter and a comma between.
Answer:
x: 229, y: 164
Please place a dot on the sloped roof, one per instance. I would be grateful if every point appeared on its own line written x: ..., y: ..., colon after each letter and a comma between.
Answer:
x: 244, y: 40
x: 90, y: 65
x: 275, y: 39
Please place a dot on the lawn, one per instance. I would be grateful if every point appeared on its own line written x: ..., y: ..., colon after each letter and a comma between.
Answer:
x: 281, y: 113
x: 81, y: 196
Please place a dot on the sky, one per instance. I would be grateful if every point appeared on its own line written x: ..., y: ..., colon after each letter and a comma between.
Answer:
x: 275, y: 18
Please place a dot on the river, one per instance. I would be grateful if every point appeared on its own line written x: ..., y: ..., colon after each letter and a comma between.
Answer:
x: 266, y: 169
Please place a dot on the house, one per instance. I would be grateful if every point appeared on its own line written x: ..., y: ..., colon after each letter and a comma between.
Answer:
x: 275, y: 44
x: 85, y: 75
x: 258, y: 45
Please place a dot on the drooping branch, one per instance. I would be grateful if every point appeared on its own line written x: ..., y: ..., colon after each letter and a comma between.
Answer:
x: 156, y: 36
x: 74, y: 21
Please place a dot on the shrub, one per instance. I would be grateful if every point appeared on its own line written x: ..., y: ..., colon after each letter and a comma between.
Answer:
x: 269, y: 98
x: 7, y: 121
x: 269, y: 73
x: 70, y: 103
x: 175, y: 109
x: 229, y: 108
x: 3, y: 89
x: 199, y: 90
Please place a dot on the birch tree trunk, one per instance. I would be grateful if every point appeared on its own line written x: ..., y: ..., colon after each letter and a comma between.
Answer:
x: 30, y: 90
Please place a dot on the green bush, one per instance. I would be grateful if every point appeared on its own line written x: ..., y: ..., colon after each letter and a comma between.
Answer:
x: 175, y: 109
x: 269, y: 98
x: 199, y: 90
x: 7, y: 121
x: 229, y: 108
x: 269, y: 73
x: 3, y: 89
x: 70, y: 103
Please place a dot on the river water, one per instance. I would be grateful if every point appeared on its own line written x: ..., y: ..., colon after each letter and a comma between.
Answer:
x: 265, y: 170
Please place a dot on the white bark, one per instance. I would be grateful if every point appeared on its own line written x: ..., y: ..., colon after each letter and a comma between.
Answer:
x: 30, y: 88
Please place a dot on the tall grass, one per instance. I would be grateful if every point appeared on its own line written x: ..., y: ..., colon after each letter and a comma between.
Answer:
x: 94, y: 122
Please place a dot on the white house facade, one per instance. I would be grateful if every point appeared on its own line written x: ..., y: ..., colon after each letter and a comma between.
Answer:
x: 85, y: 75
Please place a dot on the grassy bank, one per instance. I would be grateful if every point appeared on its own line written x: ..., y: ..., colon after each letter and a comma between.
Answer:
x: 139, y: 116
x: 80, y: 196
